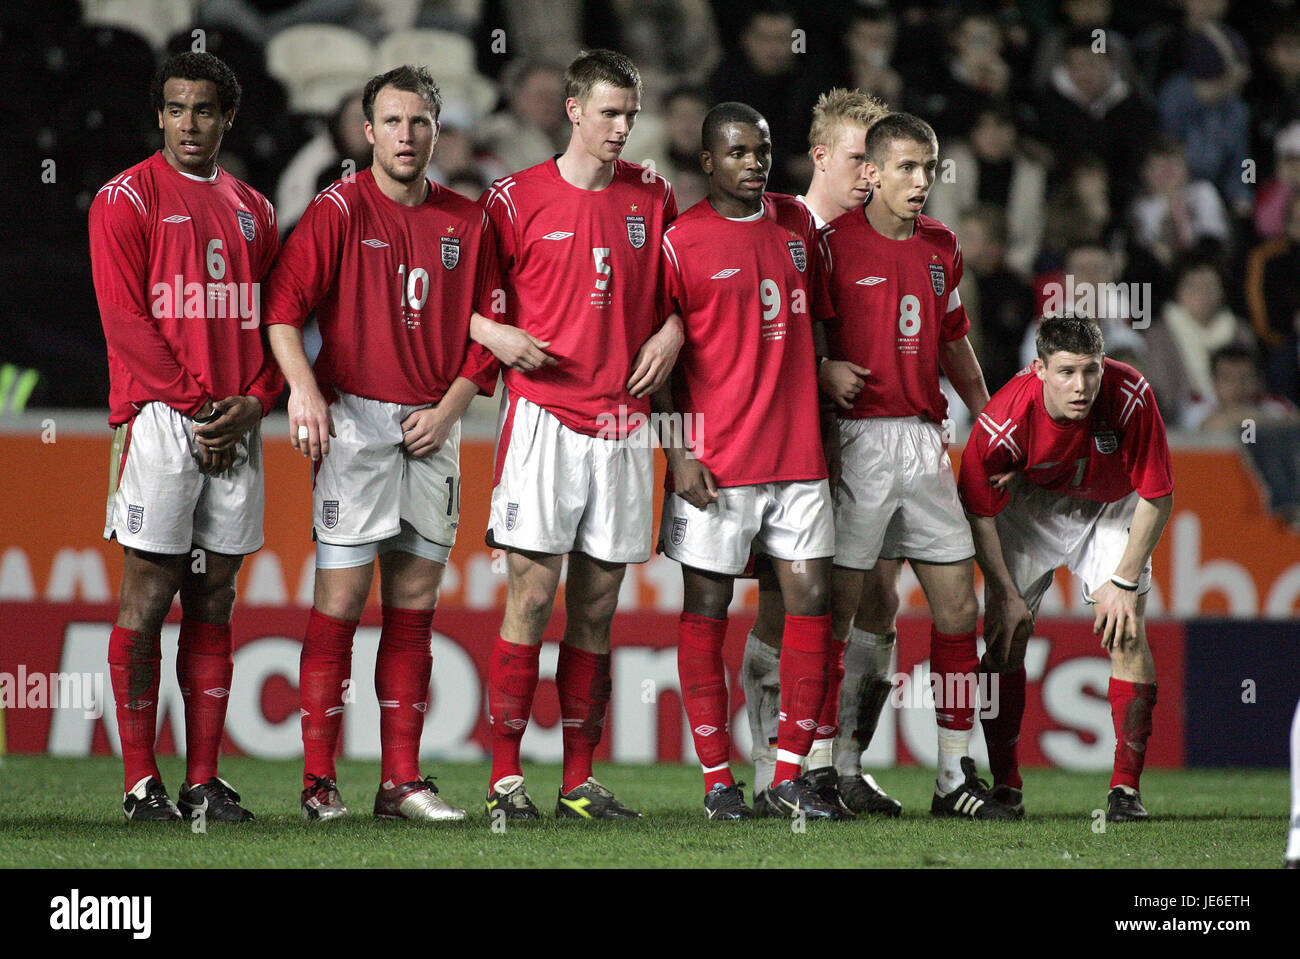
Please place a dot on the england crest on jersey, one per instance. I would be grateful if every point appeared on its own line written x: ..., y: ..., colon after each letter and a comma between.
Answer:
x: 798, y: 254
x: 247, y: 225
x: 1105, y: 440
x: 330, y: 513
x: 512, y: 514
x: 937, y: 279
x: 635, y: 231
x: 134, y: 518
x: 450, y: 252
x: 679, y: 530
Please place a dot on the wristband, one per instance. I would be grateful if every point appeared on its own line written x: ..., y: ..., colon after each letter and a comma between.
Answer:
x: 210, y: 418
x: 821, y: 360
x: 1123, y: 583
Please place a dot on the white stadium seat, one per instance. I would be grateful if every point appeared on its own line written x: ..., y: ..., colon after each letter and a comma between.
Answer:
x: 155, y: 20
x: 446, y: 54
x: 318, y: 64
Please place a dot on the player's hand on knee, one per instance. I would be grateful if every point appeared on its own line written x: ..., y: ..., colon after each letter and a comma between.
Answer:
x: 1117, y: 617
x: 655, y: 360
x: 310, y: 423
x: 424, y: 431
x: 842, y: 381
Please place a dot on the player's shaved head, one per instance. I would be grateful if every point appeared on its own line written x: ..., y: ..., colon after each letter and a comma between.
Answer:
x: 197, y: 66
x: 895, y: 127
x: 1069, y: 334
x: 600, y: 66
x: 720, y: 116
x: 838, y: 108
x: 409, y: 79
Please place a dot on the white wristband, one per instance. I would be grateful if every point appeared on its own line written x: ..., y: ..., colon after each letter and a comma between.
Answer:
x: 1123, y: 583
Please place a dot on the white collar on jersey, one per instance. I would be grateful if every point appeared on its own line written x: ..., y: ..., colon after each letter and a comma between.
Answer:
x: 744, y: 219
x: 216, y: 171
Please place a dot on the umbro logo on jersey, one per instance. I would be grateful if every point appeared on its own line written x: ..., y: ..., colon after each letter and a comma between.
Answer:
x: 870, y: 280
x: 557, y: 235
x: 175, y: 218
x: 377, y: 244
x: 723, y: 274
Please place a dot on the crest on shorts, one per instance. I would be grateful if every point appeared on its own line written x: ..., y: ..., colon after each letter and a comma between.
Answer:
x: 798, y: 254
x: 1105, y: 440
x: 247, y: 225
x: 635, y: 231
x: 450, y: 252
x: 679, y: 530
x: 512, y: 514
x: 134, y: 518
x: 937, y: 279
x: 329, y: 514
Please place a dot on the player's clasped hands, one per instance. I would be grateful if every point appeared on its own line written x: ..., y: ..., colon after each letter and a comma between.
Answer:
x: 842, y: 381
x: 310, y: 424
x: 218, y: 439
x: 1117, y: 616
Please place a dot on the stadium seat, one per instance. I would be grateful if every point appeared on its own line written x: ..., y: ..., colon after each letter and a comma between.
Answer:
x: 242, y: 54
x: 319, y: 64
x: 446, y: 54
x: 471, y: 92
x: 155, y: 20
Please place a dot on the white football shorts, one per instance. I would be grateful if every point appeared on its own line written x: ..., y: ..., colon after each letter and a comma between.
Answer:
x: 160, y: 501
x: 558, y: 490
x: 790, y: 521
x: 369, y: 488
x: 897, y: 496
x: 1041, y: 530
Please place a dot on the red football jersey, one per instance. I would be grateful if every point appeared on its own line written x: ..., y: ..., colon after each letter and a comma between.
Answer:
x: 1120, y: 447
x: 177, y: 263
x: 748, y: 294
x: 393, y: 287
x: 581, y: 272
x: 895, y: 301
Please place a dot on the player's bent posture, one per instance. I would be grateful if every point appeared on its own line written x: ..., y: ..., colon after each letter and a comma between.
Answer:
x: 397, y: 269
x: 1092, y: 490
x: 579, y: 240
x: 740, y: 268
x: 178, y: 247
x: 892, y: 274
x: 837, y: 146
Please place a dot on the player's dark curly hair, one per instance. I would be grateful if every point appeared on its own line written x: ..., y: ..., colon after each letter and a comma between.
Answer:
x: 197, y: 66
x: 721, y: 115
x: 897, y: 126
x: 410, y: 79
x: 1069, y: 334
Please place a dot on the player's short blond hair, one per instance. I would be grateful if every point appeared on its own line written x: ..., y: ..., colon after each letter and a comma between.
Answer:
x: 838, y: 108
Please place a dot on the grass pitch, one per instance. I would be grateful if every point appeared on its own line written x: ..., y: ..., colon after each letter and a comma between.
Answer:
x: 66, y: 813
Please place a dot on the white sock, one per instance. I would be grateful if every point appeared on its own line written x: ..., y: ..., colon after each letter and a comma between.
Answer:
x: 820, y: 753
x: 868, y: 658
x: 1293, y: 842
x: 953, y: 745
x: 760, y: 676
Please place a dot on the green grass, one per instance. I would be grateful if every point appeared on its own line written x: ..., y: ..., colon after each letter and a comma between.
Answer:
x: 66, y: 813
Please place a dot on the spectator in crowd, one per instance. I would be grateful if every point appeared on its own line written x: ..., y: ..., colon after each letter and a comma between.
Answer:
x: 321, y: 161
x: 532, y: 127
x: 1090, y: 108
x: 456, y: 154
x: 1273, y: 296
x: 1176, y: 216
x: 998, y: 301
x: 1273, y: 93
x: 990, y: 168
x: 1090, y: 15
x: 974, y: 75
x: 771, y: 78
x: 1243, y: 410
x: 1162, y: 49
x: 869, y: 43
x: 1078, y: 211
x: 683, y: 111
x: 1201, y: 107
x: 672, y: 42
x: 1274, y: 197
x: 1192, y: 325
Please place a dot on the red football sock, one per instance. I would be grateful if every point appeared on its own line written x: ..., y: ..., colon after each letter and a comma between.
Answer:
x: 803, y: 686
x: 512, y: 680
x: 323, y: 669
x: 704, y: 692
x: 1002, y: 732
x: 583, y: 682
x: 1131, y: 705
x: 403, y: 668
x: 953, y: 665
x: 133, y: 667
x: 828, y: 721
x: 203, y: 669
